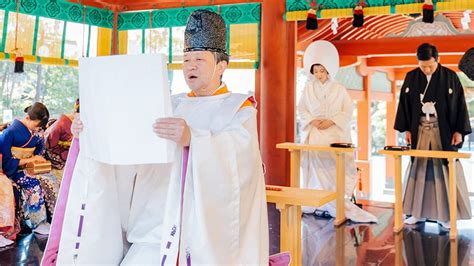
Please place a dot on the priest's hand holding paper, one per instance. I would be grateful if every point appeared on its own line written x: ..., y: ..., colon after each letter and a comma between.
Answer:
x: 77, y: 126
x: 175, y: 129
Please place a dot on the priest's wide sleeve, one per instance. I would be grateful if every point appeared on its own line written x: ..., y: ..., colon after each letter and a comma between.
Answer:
x: 228, y: 201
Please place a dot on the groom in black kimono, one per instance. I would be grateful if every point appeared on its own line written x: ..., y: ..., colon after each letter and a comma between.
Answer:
x: 432, y: 112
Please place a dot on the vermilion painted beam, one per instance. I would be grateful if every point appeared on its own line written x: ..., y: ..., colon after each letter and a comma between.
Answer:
x: 134, y: 5
x: 362, y: 68
x: 348, y: 60
x: 381, y: 96
x: 179, y: 3
x: 356, y: 95
x: 392, y: 46
x: 404, y: 61
x: 98, y: 4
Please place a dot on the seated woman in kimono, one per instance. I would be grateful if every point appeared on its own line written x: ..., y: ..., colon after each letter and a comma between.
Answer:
x: 325, y: 109
x: 20, y: 145
x: 58, y: 139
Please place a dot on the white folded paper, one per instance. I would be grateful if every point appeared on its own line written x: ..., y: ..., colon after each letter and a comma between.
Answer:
x: 121, y: 97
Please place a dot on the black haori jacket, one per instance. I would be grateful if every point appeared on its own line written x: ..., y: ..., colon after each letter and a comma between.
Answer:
x: 446, y: 90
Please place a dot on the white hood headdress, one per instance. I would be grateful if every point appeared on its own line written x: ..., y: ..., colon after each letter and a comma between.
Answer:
x: 324, y: 53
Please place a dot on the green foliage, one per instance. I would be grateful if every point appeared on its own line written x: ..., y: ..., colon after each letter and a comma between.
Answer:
x: 57, y: 87
x: 61, y: 89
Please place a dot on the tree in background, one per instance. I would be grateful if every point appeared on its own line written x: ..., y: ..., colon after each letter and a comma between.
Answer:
x: 56, y: 86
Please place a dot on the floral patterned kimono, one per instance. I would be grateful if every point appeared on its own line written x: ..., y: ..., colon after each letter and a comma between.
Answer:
x: 38, y: 192
x: 9, y: 226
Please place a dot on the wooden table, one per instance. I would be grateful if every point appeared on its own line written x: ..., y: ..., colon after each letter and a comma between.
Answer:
x: 451, y: 156
x: 290, y: 199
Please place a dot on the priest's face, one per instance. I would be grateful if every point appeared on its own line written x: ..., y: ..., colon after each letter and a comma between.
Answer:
x: 429, y: 66
x: 201, y: 72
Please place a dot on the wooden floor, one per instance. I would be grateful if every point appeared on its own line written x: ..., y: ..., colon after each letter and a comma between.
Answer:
x: 374, y: 244
x: 363, y: 244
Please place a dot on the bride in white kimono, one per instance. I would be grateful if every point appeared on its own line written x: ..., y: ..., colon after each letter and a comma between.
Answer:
x: 325, y: 110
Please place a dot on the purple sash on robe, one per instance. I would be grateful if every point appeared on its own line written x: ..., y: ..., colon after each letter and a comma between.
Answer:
x: 52, y: 248
x: 280, y: 259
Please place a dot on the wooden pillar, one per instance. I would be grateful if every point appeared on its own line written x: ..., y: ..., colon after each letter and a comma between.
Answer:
x: 277, y: 90
x: 391, y: 138
x: 115, y: 34
x: 363, y: 134
x: 258, y: 85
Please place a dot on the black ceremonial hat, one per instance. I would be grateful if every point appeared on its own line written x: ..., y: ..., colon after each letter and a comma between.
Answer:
x: 205, y: 31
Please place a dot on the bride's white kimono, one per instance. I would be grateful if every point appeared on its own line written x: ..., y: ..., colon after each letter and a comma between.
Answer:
x: 216, y: 210
x: 328, y: 101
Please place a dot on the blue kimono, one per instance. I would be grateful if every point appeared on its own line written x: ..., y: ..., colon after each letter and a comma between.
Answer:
x: 38, y: 192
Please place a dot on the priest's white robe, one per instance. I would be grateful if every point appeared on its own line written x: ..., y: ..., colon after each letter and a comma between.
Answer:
x: 328, y: 101
x: 217, y: 213
x: 105, y: 210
